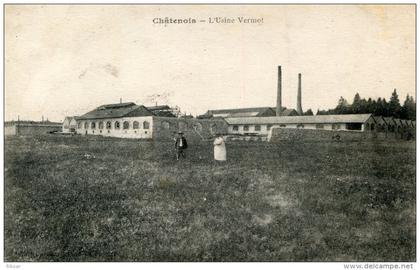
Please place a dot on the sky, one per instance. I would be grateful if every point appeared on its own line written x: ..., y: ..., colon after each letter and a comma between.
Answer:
x: 65, y: 60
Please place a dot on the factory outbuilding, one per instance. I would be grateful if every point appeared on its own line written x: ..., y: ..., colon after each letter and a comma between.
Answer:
x: 28, y: 128
x: 69, y: 124
x: 262, y: 125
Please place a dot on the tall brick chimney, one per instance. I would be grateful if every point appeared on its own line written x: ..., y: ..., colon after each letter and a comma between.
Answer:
x: 299, y: 96
x: 278, y: 106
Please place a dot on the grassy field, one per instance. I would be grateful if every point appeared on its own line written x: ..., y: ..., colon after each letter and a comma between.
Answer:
x: 108, y: 199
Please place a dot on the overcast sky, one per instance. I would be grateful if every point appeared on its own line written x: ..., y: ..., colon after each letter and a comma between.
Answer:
x: 67, y: 60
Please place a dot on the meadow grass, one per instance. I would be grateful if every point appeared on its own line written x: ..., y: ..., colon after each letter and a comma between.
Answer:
x: 108, y: 199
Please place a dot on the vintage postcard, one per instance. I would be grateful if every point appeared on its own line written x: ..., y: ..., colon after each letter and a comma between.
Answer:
x: 210, y: 133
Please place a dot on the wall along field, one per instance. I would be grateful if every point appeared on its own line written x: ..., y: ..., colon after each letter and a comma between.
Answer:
x: 108, y: 199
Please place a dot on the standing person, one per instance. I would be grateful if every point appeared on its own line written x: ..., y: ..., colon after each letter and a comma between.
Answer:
x: 180, y: 145
x: 219, y: 148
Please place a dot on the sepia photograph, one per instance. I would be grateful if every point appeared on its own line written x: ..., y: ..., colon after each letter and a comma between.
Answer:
x: 210, y: 133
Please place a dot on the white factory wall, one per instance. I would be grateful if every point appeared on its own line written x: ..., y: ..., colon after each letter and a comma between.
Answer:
x: 265, y: 129
x: 140, y: 133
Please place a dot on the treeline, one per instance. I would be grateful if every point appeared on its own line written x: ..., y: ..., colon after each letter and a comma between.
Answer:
x: 379, y: 107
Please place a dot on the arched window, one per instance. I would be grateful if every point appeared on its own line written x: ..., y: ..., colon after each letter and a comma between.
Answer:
x: 117, y: 125
x: 79, y: 125
x: 101, y: 125
x: 126, y: 125
x: 166, y: 125
x: 372, y: 126
x: 93, y: 125
x: 146, y: 125
x: 136, y: 125
x: 86, y: 125
x: 108, y: 125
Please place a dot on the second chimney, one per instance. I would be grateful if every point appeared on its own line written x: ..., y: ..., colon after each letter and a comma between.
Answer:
x: 278, y: 105
x: 299, y: 96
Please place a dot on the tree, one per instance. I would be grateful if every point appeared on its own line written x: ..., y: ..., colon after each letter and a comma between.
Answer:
x: 321, y: 112
x: 308, y: 112
x: 356, y: 105
x: 394, y: 106
x: 342, y: 107
x: 408, y: 110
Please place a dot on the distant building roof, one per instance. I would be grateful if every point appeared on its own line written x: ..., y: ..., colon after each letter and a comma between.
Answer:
x: 405, y: 122
x: 398, y: 122
x: 161, y: 110
x: 379, y: 120
x: 309, y: 119
x: 289, y: 112
x: 389, y: 121
x: 249, y: 112
x: 160, y: 107
x: 118, y: 110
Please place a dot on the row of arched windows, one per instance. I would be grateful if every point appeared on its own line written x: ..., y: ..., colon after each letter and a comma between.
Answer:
x: 116, y: 125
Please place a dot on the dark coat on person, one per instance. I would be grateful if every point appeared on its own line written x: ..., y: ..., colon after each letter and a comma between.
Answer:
x: 178, y: 142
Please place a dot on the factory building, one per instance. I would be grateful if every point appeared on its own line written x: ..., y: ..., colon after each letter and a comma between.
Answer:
x: 263, y: 125
x: 128, y: 120
x: 261, y: 122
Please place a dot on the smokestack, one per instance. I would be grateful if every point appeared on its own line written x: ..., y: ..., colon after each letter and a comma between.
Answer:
x: 120, y: 100
x: 278, y: 107
x: 299, y: 95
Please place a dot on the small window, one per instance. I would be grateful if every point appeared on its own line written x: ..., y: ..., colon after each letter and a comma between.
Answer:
x: 269, y: 127
x: 126, y: 125
x: 101, y: 125
x: 300, y: 125
x: 235, y: 128
x: 79, y: 125
x: 283, y: 125
x: 146, y: 125
x: 86, y: 125
x: 136, y: 125
x: 93, y: 125
x: 372, y: 126
x: 108, y: 125
x: 117, y: 125
x: 257, y: 128
x: 246, y: 128
x: 319, y: 126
